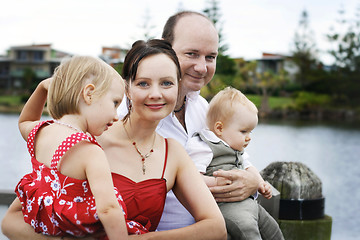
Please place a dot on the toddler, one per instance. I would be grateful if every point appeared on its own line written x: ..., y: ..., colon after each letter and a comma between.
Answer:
x: 70, y: 190
x: 230, y: 119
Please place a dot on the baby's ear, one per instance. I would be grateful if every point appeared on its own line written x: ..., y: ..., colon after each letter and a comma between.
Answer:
x: 218, y: 128
x: 88, y: 92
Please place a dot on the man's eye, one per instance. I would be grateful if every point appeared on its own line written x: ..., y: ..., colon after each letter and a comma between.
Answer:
x: 210, y: 58
x: 191, y: 54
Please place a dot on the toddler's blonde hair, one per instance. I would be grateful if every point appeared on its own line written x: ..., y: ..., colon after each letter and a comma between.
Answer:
x: 224, y: 104
x: 69, y: 80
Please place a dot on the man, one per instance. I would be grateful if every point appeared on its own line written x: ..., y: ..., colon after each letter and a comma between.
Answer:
x: 195, y: 41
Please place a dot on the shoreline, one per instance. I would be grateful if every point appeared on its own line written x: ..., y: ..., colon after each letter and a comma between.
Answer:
x: 286, y: 114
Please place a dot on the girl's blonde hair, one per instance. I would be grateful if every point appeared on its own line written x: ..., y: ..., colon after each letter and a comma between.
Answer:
x: 69, y: 80
x: 224, y: 104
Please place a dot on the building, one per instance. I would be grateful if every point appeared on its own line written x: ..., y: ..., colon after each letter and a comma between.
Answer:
x: 25, y: 65
x: 113, y: 55
x: 275, y: 63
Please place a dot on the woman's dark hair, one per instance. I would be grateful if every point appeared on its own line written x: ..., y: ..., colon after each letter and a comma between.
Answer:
x: 140, y: 50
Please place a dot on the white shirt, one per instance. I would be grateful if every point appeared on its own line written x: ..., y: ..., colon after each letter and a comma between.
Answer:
x: 202, y: 154
x: 175, y: 215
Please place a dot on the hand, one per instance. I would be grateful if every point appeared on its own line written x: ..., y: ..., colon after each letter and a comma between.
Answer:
x: 221, y: 181
x: 265, y: 189
x: 243, y: 184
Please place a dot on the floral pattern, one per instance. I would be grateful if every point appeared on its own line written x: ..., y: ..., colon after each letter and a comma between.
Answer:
x: 55, y: 204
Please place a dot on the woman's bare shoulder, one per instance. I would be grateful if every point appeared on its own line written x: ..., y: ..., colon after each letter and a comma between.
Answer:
x: 110, y: 136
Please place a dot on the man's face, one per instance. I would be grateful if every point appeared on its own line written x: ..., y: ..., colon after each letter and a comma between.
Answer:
x: 196, y: 45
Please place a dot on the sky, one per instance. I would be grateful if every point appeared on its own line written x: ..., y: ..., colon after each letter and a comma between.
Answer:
x: 249, y: 27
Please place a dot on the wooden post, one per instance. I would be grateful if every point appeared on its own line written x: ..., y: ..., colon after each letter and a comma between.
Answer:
x: 302, y: 205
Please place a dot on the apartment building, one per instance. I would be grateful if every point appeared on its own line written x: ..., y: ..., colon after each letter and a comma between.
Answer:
x: 23, y: 66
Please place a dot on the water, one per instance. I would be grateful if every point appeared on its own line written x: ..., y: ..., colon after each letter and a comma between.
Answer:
x: 331, y: 151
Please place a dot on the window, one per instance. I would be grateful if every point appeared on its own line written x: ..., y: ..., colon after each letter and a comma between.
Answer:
x: 21, y: 55
x: 38, y: 56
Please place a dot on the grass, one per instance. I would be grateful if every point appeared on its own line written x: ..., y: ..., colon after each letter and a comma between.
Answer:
x: 274, y: 102
x: 10, y: 100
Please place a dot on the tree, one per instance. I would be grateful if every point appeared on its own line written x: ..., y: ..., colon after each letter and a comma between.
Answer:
x: 224, y: 65
x: 212, y: 11
x: 146, y: 26
x: 29, y: 76
x: 262, y: 83
x: 304, y: 53
x: 346, y: 42
x: 345, y: 38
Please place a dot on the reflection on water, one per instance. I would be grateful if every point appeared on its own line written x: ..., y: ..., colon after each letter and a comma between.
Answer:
x: 330, y: 150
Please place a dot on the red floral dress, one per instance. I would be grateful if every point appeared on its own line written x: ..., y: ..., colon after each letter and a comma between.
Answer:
x: 55, y: 204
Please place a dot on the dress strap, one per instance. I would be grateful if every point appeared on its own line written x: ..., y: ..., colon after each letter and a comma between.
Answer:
x: 31, y: 137
x: 166, y: 155
x: 66, y: 145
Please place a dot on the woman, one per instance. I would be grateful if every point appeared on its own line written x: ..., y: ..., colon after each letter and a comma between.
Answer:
x: 140, y: 158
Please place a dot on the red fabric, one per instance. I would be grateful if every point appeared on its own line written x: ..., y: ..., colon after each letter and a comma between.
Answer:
x: 144, y: 200
x: 55, y: 204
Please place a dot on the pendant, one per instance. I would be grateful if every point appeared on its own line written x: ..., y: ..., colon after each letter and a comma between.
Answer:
x: 143, y: 167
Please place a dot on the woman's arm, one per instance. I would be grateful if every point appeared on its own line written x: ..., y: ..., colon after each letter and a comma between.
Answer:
x: 14, y: 227
x: 192, y: 192
x: 33, y: 108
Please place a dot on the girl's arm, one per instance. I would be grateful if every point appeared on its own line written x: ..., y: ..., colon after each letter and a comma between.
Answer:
x: 193, y: 193
x: 98, y: 174
x: 32, y: 110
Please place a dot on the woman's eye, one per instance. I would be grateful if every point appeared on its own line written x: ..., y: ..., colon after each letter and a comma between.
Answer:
x: 142, y: 84
x: 167, y: 83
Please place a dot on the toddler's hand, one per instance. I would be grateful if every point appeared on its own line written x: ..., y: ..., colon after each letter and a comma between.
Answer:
x: 265, y: 189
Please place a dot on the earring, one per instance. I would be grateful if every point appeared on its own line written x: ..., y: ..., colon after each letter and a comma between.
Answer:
x: 129, y: 105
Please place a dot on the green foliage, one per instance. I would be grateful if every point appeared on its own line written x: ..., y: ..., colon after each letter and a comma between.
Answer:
x: 29, y: 76
x: 216, y: 84
x: 225, y: 65
x: 304, y: 53
x: 347, y: 43
x: 118, y: 67
x: 10, y: 100
x: 311, y: 101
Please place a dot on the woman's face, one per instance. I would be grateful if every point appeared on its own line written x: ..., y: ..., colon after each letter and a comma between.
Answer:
x: 154, y: 91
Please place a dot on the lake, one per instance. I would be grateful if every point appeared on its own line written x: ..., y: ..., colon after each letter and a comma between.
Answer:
x: 330, y: 150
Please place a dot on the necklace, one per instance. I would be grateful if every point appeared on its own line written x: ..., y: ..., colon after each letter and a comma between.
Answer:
x: 182, y: 106
x: 67, y: 125
x: 143, y: 157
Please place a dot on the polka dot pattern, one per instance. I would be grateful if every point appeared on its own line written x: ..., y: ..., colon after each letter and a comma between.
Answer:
x: 55, y: 204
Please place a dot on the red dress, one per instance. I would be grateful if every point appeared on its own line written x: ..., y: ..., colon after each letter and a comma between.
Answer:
x: 144, y: 200
x: 55, y: 204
